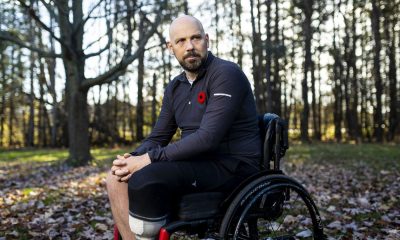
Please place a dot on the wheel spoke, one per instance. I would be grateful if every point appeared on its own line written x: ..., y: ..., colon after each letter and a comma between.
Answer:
x: 280, y: 216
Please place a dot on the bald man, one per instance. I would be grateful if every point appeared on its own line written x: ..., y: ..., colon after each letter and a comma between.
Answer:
x: 212, y: 103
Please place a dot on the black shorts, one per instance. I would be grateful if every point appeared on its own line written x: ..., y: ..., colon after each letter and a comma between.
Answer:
x: 154, y: 190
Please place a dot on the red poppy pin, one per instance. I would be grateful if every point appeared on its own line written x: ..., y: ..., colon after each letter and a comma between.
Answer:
x: 201, y: 98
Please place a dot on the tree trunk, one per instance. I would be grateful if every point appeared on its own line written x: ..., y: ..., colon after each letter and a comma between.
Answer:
x: 392, y: 76
x: 347, y: 81
x: 355, y: 80
x: 11, y: 103
x: 216, y: 27
x: 3, y: 97
x: 31, y: 124
x: 240, y: 33
x: 42, y: 108
x: 337, y: 88
x: 185, y: 7
x: 378, y: 118
x: 308, y: 10
x: 319, y: 114
x: 154, y: 101
x: 286, y: 107
x: 125, y: 104
x: 78, y: 117
x: 317, y: 132
x: 51, y: 69
x: 76, y: 97
x: 276, y: 84
x: 115, y: 120
x: 140, y: 101
x: 257, y: 61
x: 268, y: 60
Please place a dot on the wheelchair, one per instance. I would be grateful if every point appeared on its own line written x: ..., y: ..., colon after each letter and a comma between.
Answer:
x: 267, y: 205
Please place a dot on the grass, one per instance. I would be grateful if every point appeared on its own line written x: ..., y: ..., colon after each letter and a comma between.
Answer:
x: 376, y: 156
x: 33, y: 155
x: 101, y: 156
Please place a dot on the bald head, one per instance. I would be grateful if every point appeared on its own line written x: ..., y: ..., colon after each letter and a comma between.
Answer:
x: 188, y: 43
x: 184, y: 23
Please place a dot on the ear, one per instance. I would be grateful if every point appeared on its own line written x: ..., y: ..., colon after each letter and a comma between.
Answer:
x: 169, y: 46
x: 207, y: 39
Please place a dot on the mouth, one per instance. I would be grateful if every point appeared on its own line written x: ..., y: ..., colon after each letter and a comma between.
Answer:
x: 192, y: 57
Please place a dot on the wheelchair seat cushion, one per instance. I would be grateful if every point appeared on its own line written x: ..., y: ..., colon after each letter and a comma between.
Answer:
x: 200, y: 205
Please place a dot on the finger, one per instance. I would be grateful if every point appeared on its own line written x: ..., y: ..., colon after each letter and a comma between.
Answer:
x: 126, y: 155
x: 121, y: 172
x: 113, y: 169
x: 126, y: 178
x: 119, y: 162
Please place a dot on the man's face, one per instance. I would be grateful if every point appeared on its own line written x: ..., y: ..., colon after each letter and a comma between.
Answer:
x: 189, y: 44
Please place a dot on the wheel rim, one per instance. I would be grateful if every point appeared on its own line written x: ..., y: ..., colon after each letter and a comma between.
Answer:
x: 297, y: 218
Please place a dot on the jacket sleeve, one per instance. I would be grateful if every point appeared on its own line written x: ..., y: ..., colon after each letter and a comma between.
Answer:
x: 228, y: 87
x: 163, y: 130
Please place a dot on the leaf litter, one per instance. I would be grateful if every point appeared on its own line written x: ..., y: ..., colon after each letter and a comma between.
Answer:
x: 57, y: 202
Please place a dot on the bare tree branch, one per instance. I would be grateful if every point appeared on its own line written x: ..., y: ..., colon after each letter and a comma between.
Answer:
x: 49, y: 8
x: 109, y: 35
x: 4, y: 35
x: 106, y: 47
x: 120, y: 68
x: 90, y: 13
x: 32, y: 13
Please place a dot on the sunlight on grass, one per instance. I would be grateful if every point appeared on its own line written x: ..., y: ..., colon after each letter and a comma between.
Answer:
x: 33, y: 155
x: 100, y: 155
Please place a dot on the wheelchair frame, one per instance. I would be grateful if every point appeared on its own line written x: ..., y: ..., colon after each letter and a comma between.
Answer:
x: 268, y: 185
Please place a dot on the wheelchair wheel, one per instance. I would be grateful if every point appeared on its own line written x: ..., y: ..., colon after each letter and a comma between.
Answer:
x: 272, y: 207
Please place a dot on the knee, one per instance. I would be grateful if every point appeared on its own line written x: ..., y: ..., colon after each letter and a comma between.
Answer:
x: 112, y: 183
x: 144, y: 229
x: 148, y: 198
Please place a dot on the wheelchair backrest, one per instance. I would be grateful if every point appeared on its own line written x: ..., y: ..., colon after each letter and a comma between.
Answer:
x: 274, y: 135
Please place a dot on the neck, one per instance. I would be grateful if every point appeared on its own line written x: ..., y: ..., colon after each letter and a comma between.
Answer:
x: 191, y: 75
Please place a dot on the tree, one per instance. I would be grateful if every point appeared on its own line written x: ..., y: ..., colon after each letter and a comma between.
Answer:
x: 307, y: 8
x: 390, y: 20
x: 71, y: 21
x: 375, y: 27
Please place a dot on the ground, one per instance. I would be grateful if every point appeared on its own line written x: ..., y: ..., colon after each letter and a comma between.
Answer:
x: 356, y: 188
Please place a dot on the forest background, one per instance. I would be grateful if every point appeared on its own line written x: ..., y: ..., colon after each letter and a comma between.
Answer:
x: 75, y: 74
x: 82, y: 81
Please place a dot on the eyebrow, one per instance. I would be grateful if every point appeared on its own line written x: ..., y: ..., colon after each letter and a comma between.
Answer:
x: 196, y: 35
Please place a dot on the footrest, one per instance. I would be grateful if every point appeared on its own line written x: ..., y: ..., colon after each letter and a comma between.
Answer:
x: 199, y: 205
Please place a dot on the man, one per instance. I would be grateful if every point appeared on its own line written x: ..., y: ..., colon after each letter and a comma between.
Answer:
x: 212, y: 104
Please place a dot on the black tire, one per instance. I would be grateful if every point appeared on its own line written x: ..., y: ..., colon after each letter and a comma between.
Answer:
x: 269, y: 208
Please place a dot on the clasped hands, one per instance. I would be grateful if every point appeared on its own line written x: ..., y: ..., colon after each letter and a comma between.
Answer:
x: 124, y: 166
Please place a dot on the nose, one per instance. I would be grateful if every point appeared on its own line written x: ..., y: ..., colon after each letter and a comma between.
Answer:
x: 189, y: 45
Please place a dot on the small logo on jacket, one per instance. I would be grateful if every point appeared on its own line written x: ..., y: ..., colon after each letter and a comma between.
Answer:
x: 201, y: 98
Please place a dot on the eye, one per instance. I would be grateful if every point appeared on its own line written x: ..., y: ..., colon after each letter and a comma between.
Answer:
x: 180, y: 41
x: 196, y: 38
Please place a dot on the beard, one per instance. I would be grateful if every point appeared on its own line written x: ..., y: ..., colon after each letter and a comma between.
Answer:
x: 192, y: 65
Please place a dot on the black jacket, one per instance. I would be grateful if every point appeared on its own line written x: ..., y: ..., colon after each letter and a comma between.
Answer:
x: 216, y: 115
